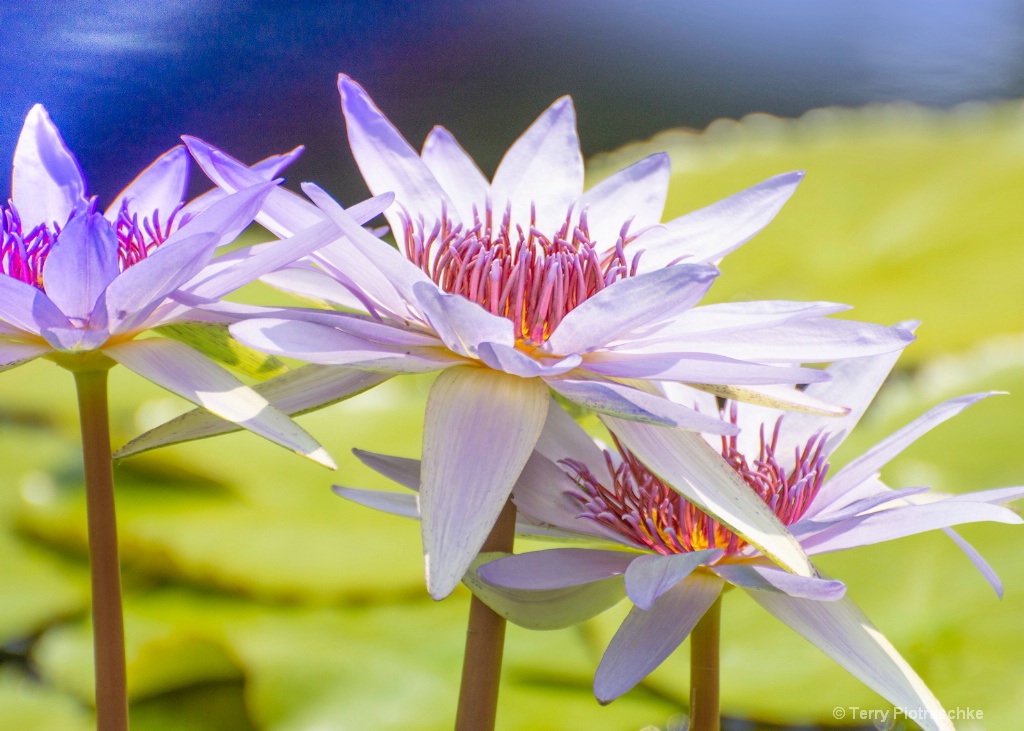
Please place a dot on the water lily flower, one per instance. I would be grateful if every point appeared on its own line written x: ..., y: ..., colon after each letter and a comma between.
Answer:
x: 79, y: 287
x: 673, y: 561
x: 526, y: 284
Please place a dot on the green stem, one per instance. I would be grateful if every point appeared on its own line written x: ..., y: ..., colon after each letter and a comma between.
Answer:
x: 704, y: 670
x: 485, y: 642
x: 107, y: 621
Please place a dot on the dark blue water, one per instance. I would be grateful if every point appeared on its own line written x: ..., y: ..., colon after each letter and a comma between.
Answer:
x: 123, y: 80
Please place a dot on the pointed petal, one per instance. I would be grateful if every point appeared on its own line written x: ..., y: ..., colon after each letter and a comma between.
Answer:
x: 841, y: 631
x: 295, y: 393
x: 690, y: 466
x: 563, y: 437
x: 887, y: 525
x: 13, y: 354
x: 479, y: 430
x: 314, y: 286
x: 556, y: 568
x: 160, y: 187
x: 47, y: 185
x: 983, y: 566
x: 708, y: 234
x: 388, y: 162
x: 543, y: 167
x: 704, y: 368
x: 767, y: 578
x: 396, y: 503
x: 456, y: 172
x: 185, y: 372
x: 646, y: 638
x: 626, y: 402
x: 628, y: 304
x: 878, y: 456
x: 404, y: 471
x: 649, y: 577
x: 775, y: 397
x: 81, y: 264
x: 542, y: 610
x: 637, y: 192
x: 27, y: 308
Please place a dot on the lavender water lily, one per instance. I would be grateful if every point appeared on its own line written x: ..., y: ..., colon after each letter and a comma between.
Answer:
x: 79, y: 288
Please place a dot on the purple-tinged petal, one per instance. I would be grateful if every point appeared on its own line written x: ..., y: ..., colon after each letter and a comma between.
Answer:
x: 860, y: 469
x: 318, y: 343
x: 776, y: 397
x: 708, y: 234
x: 26, y: 308
x: 313, y: 285
x: 395, y: 503
x: 387, y: 161
x: 82, y: 262
x: 364, y: 327
x: 628, y: 304
x: 647, y: 637
x: 543, y: 167
x: 508, y: 359
x: 767, y: 578
x: 978, y: 560
x: 283, y: 213
x: 697, y: 368
x: 998, y: 495
x: 864, y: 505
x: 264, y: 261
x: 543, y: 494
x: 75, y: 339
x: 562, y: 437
x: 544, y: 610
x: 557, y: 568
x: 228, y: 217
x: 637, y: 192
x: 887, y: 525
x: 160, y: 187
x: 456, y: 172
x: 693, y: 468
x: 392, y: 267
x: 404, y: 471
x: 47, y: 185
x: 13, y: 354
x: 133, y: 296
x: 739, y: 317
x: 626, y: 402
x: 462, y: 324
x: 808, y: 341
x: 649, y: 577
x: 295, y: 393
x: 479, y: 430
x: 841, y: 631
x: 192, y: 376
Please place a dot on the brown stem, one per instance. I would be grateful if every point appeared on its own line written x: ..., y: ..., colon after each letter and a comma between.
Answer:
x: 485, y: 641
x: 107, y: 622
x: 704, y: 670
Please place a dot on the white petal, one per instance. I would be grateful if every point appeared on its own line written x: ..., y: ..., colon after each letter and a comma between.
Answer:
x: 637, y: 192
x: 185, y: 372
x: 480, y: 429
x: 841, y: 631
x: 456, y: 172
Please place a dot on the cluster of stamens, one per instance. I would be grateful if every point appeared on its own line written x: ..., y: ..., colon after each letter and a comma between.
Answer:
x: 523, y: 274
x: 646, y: 511
x: 23, y: 254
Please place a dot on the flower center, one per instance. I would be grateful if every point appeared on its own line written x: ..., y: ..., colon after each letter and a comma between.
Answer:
x: 643, y: 509
x: 23, y: 254
x: 527, y: 276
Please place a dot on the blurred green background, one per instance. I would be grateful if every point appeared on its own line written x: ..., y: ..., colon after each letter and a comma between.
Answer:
x: 256, y: 600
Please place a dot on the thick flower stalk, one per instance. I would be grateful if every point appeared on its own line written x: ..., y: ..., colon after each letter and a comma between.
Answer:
x: 523, y: 285
x: 673, y: 560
